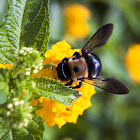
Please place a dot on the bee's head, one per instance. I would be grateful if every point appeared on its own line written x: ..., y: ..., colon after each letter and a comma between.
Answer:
x: 63, y: 71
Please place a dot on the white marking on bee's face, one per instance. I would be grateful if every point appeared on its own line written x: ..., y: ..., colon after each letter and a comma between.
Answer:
x: 81, y: 63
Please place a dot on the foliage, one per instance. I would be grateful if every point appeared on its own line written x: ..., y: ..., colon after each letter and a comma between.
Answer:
x: 24, y: 38
x: 24, y: 133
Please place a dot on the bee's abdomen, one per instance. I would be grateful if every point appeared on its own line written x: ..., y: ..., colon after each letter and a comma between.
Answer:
x: 94, y: 65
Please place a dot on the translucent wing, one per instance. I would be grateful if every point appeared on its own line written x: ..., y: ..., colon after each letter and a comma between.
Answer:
x: 99, y: 39
x: 109, y: 84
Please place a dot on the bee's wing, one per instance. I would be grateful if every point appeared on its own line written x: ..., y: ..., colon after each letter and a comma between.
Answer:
x: 109, y: 84
x: 99, y: 39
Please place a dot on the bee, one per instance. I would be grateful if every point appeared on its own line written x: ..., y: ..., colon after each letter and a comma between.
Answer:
x: 85, y: 66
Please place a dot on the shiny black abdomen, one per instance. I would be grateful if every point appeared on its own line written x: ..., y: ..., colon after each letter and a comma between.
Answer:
x: 94, y: 65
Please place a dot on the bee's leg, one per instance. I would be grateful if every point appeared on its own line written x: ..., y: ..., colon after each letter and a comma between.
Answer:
x: 78, y: 86
x: 65, y: 60
x: 69, y: 83
x: 77, y: 55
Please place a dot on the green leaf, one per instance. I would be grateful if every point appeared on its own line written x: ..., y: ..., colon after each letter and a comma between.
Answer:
x: 32, y: 9
x: 21, y: 134
x: 4, y: 82
x: 3, y: 98
x: 3, y: 129
x: 34, y: 130
x: 5, y: 132
x: 10, y: 33
x: 8, y: 52
x: 4, y: 75
x: 55, y: 90
x: 3, y: 10
x: 27, y: 21
x: 13, y: 134
x: 38, y: 30
x: 36, y: 127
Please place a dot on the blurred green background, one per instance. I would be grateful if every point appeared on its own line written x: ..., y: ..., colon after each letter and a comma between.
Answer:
x: 112, y: 117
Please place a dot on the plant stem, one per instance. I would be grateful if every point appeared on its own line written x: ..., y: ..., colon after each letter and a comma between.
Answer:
x: 16, y: 71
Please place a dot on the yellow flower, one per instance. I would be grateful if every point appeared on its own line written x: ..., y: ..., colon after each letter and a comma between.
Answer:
x: 54, y: 112
x: 76, y: 17
x: 4, y: 66
x: 133, y: 62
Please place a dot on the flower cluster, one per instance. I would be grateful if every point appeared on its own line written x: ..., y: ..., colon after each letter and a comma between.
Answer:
x: 31, y: 60
x: 76, y: 17
x: 133, y: 62
x: 18, y: 113
x: 52, y: 111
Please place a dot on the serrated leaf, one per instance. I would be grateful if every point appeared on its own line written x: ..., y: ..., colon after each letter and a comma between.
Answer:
x: 21, y: 134
x: 38, y: 31
x: 21, y: 15
x: 13, y: 134
x: 42, y: 38
x: 36, y: 127
x: 5, y: 133
x: 55, y: 90
x: 8, y: 52
x: 10, y: 33
x: 34, y: 131
x: 31, y: 11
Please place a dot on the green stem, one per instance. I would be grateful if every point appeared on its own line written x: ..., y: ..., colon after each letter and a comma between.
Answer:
x: 16, y: 71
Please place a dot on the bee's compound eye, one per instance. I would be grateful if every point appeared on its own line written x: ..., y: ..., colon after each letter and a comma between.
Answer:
x: 76, y: 69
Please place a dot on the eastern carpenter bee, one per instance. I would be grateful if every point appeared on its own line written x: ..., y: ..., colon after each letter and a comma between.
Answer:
x: 85, y: 66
